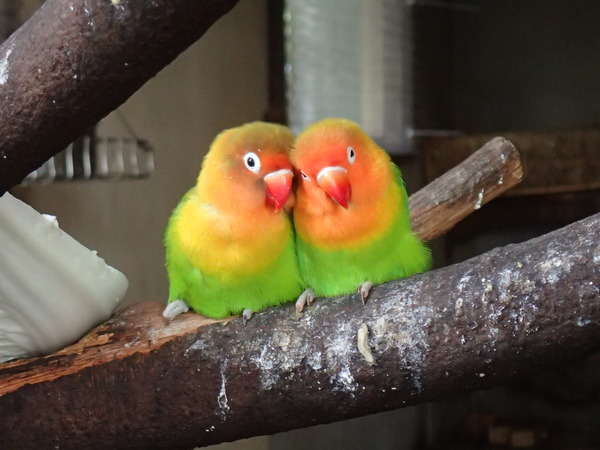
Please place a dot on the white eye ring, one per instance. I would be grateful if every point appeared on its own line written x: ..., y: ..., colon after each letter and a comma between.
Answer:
x: 351, y: 155
x: 304, y: 176
x: 252, y: 162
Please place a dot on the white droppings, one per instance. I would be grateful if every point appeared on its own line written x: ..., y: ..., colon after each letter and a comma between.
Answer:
x: 462, y: 283
x: 307, y: 322
x: 4, y: 67
x: 197, y: 346
x: 279, y: 357
x: 554, y: 268
x: 340, y: 351
x: 283, y: 354
x: 315, y: 360
x: 501, y: 180
x: 505, y: 278
x: 265, y: 362
x: 581, y: 322
x: 281, y: 339
x: 409, y: 339
x: 597, y: 255
x: 479, y: 203
x: 339, y: 347
x: 344, y: 379
x: 222, y: 398
x: 458, y: 307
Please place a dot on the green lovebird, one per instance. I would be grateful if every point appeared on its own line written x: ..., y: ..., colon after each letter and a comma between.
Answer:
x: 351, y: 214
x: 230, y: 242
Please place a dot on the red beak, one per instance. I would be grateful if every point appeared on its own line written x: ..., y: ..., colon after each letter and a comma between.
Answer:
x: 279, y: 186
x: 334, y: 181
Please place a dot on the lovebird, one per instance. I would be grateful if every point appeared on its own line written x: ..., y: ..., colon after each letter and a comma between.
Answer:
x: 229, y: 242
x: 351, y: 214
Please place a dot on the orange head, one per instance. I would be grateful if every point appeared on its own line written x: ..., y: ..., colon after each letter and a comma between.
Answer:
x: 248, y: 167
x: 338, y: 165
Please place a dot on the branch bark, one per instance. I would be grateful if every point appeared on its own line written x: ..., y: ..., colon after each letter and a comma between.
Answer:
x: 194, y: 384
x: 469, y: 326
x: 492, y: 170
x: 74, y: 62
x: 140, y: 382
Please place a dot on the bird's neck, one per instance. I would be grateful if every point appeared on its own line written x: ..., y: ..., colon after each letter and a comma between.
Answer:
x: 329, y: 226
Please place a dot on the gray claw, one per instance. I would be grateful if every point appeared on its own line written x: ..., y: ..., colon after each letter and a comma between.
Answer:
x: 306, y: 298
x: 175, y: 308
x: 247, y: 315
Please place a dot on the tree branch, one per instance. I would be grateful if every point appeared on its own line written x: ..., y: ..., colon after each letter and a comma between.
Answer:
x: 469, y: 326
x: 138, y: 381
x: 192, y: 383
x: 492, y: 170
x: 74, y: 62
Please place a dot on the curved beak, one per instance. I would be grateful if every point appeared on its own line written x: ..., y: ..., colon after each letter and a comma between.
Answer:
x: 334, y: 181
x: 279, y: 186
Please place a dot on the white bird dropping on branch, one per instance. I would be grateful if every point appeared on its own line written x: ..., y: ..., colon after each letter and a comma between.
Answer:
x: 362, y: 341
x: 52, y: 289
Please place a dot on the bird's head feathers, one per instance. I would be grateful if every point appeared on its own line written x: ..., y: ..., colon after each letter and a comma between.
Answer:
x: 248, y: 167
x: 338, y: 164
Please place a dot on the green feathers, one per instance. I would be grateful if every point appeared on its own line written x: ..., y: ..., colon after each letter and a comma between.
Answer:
x: 353, y: 227
x: 397, y: 253
x: 218, y: 295
x: 230, y: 243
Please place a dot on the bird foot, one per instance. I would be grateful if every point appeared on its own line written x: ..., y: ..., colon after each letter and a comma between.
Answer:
x: 246, y: 316
x: 306, y: 298
x: 364, y: 289
x: 175, y: 308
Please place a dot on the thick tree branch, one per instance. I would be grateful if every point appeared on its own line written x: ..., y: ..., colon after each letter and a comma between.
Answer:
x: 138, y: 381
x: 472, y: 325
x: 75, y: 61
x: 80, y: 394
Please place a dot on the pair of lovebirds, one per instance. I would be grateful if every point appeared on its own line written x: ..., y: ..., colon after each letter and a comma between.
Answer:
x: 243, y: 239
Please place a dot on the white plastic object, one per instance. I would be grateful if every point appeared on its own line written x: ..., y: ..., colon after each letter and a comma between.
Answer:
x: 52, y: 289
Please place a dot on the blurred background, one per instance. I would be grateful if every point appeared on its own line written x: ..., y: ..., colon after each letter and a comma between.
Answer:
x: 431, y: 81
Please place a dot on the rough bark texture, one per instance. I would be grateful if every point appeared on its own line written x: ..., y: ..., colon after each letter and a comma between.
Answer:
x: 126, y: 363
x: 469, y: 326
x: 489, y: 172
x: 430, y: 218
x: 75, y: 61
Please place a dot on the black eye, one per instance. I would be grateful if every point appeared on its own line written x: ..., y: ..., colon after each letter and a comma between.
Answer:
x: 252, y: 162
x: 304, y: 175
x: 351, y: 155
